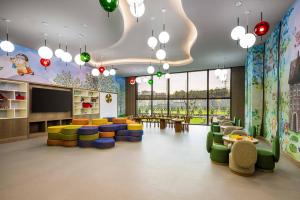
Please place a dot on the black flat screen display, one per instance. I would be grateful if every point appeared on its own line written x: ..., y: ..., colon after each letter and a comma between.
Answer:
x: 47, y: 100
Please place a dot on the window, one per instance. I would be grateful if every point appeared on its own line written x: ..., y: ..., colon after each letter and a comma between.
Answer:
x: 200, y: 94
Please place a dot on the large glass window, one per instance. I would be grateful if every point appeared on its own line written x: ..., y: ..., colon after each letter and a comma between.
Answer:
x: 187, y: 93
x: 178, y: 86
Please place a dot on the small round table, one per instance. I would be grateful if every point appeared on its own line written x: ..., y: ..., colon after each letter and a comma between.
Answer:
x: 230, y: 140
x: 162, y: 122
x: 178, y: 124
x: 236, y: 128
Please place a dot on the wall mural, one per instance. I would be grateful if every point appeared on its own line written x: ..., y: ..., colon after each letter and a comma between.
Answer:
x: 254, y: 78
x: 24, y: 65
x: 289, y: 80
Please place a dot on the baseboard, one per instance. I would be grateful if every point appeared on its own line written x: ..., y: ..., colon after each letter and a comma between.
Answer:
x: 13, y: 139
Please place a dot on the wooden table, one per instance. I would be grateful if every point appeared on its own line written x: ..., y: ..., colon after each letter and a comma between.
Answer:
x: 236, y: 128
x: 162, y: 122
x: 233, y: 140
x: 178, y: 124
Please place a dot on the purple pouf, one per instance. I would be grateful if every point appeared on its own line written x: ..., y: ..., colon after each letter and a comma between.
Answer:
x: 104, y: 143
x: 134, y: 133
x: 129, y: 138
x: 87, y: 130
x: 85, y: 144
x: 112, y: 127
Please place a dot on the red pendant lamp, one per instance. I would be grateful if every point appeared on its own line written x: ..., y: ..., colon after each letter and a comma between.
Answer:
x: 262, y: 27
x: 101, y: 69
x: 45, y: 62
x: 132, y: 81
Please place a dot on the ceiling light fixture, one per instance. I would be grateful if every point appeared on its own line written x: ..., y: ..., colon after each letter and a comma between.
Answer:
x: 6, y: 45
x: 166, y: 66
x: 238, y: 32
x: 44, y: 51
x: 66, y: 57
x: 95, y: 72
x: 248, y: 40
x: 106, y: 73
x: 78, y: 61
x: 152, y: 41
x: 150, y: 69
x: 262, y: 27
x: 138, y: 80
x: 112, y: 72
x: 161, y: 54
x: 137, y: 9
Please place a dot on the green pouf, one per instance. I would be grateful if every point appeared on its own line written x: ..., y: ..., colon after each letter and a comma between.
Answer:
x: 265, y: 159
x: 72, y: 129
x: 215, y: 128
x: 218, y: 153
x: 218, y: 137
x: 89, y: 137
x: 69, y: 137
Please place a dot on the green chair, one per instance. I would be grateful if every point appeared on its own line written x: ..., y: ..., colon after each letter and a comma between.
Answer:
x: 218, y: 153
x: 266, y: 159
x: 217, y: 135
x: 237, y: 122
x: 253, y: 131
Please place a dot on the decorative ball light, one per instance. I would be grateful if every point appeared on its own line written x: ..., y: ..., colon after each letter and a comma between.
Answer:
x: 167, y: 76
x: 161, y: 54
x: 261, y: 28
x: 150, y: 69
x: 59, y: 53
x: 106, y: 73
x: 85, y: 57
x: 164, y: 37
x: 95, y: 72
x: 150, y: 82
x: 112, y: 72
x: 45, y: 52
x: 101, y: 69
x: 132, y: 81
x: 67, y: 57
x: 138, y: 80
x: 248, y: 40
x: 159, y: 74
x: 78, y: 61
x: 45, y: 62
x: 166, y: 66
x: 7, y: 46
x: 238, y: 32
x: 137, y: 10
x: 152, y: 42
x: 109, y: 5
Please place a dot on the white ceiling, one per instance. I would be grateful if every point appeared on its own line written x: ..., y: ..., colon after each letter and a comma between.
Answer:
x: 119, y: 37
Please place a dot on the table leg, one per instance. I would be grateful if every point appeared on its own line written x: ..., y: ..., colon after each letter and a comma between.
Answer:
x: 162, y: 123
x: 178, y: 127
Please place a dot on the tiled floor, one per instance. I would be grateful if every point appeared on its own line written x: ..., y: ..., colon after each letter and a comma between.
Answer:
x: 165, y: 166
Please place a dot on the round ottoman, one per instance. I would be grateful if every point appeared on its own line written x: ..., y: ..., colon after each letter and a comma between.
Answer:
x: 122, y: 127
x: 109, y: 123
x: 99, y: 122
x: 104, y: 143
x: 110, y: 128
x: 134, y: 139
x: 128, y: 121
x: 135, y: 127
x: 89, y: 137
x: 54, y: 142
x: 121, y: 138
x: 135, y: 133
x: 54, y: 136
x: 107, y: 134
x: 122, y: 133
x: 80, y: 122
x: 85, y: 143
x: 71, y: 143
x: 119, y: 120
x: 55, y: 129
x: 87, y: 130
x: 69, y: 137
x: 71, y: 129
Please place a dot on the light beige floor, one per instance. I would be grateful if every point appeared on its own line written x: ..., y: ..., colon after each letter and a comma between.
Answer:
x: 165, y: 166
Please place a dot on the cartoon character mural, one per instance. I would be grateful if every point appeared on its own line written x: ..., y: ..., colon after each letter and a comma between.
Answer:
x: 21, y: 63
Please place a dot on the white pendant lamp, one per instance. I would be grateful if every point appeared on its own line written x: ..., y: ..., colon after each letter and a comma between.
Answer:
x: 248, y: 40
x: 78, y: 60
x: 95, y: 72
x: 131, y: 2
x: 137, y: 10
x: 66, y: 57
x: 238, y: 32
x: 7, y: 45
x: 106, y: 73
x: 150, y: 69
x: 167, y: 76
x: 166, y: 66
x: 161, y: 54
x: 59, y: 53
x: 164, y: 37
x: 112, y: 72
x: 152, y: 42
x: 138, y: 80
x: 45, y: 52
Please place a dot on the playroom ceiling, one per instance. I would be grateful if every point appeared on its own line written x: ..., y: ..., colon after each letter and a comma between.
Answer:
x: 199, y: 30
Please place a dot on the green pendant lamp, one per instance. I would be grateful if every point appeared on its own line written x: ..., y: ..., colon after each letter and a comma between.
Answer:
x: 109, y: 5
x: 85, y: 56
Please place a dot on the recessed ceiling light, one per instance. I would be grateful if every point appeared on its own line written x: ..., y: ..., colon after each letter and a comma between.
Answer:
x: 45, y: 23
x: 163, y: 10
x: 247, y: 12
x: 152, y: 18
x: 85, y: 25
x: 238, y: 3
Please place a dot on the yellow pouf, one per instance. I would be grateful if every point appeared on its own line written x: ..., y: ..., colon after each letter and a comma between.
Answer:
x: 54, y: 136
x: 55, y: 129
x: 135, y: 127
x: 107, y: 134
x: 80, y: 121
x: 119, y: 120
x: 89, y: 137
x: 54, y: 142
x: 109, y: 123
x: 128, y: 121
x: 70, y: 143
x: 99, y: 121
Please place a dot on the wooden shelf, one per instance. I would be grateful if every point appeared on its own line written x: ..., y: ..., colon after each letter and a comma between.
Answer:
x: 87, y: 96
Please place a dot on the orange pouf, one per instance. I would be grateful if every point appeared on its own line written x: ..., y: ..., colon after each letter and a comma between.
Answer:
x: 107, y: 134
x: 80, y: 121
x: 70, y: 143
x: 54, y: 142
x: 128, y: 121
x: 119, y: 120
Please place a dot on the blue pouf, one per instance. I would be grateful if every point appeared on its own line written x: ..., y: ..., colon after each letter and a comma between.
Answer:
x: 87, y: 130
x: 85, y: 144
x: 109, y: 118
x: 104, y: 143
x: 130, y: 133
x: 129, y: 138
x: 112, y: 127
